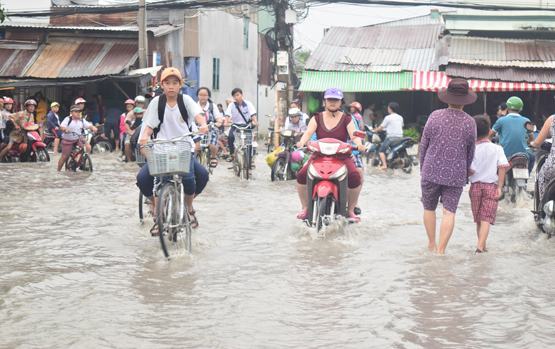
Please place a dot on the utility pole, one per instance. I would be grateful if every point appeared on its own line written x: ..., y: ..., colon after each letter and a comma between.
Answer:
x: 284, y: 70
x: 143, y: 38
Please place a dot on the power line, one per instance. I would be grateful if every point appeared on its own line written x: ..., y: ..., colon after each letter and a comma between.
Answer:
x: 206, y: 4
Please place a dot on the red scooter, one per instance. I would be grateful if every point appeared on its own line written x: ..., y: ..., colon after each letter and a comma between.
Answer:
x: 327, y: 182
x: 37, y: 151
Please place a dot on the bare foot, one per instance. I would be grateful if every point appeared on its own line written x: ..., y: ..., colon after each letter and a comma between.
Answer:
x: 432, y: 247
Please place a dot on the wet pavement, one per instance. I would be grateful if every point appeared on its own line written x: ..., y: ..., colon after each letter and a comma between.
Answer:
x: 78, y: 270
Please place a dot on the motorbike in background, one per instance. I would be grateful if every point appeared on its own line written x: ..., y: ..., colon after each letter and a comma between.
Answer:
x: 288, y: 162
x: 98, y: 141
x: 36, y: 147
x: 375, y: 140
x: 517, y: 177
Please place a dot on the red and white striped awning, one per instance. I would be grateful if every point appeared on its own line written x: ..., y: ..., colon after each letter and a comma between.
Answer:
x: 436, y: 80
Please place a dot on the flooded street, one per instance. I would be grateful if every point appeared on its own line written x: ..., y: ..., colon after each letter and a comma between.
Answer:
x: 78, y: 270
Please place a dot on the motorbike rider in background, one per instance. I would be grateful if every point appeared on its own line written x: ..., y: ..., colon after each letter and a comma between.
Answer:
x: 393, y: 126
x: 294, y: 121
x: 513, y: 135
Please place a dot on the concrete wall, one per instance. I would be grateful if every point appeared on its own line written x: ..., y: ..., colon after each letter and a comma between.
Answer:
x: 221, y: 36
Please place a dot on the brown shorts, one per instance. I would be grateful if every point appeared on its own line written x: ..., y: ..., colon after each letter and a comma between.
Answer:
x: 67, y: 146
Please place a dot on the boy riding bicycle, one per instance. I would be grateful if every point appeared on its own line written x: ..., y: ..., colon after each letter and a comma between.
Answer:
x: 165, y: 122
x: 72, y: 128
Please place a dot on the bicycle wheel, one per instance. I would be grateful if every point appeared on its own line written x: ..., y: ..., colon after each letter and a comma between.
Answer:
x: 238, y: 163
x: 279, y: 170
x: 102, y: 147
x: 167, y: 218
x: 246, y: 165
x: 141, y: 214
x: 86, y: 163
x: 42, y: 155
x: 71, y: 164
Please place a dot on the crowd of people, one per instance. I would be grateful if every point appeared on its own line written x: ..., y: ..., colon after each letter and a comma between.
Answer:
x: 455, y: 148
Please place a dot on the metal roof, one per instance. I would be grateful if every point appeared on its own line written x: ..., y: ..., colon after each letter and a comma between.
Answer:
x: 501, y: 52
x: 377, y: 49
x: 131, y: 28
x: 416, y: 20
x: 64, y: 58
x: 157, y: 31
x: 501, y: 74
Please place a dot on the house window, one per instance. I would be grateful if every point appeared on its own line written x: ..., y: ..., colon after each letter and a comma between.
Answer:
x: 245, y: 32
x: 215, y: 74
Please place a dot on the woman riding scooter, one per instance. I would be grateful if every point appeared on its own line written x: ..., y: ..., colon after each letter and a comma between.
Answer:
x: 332, y: 123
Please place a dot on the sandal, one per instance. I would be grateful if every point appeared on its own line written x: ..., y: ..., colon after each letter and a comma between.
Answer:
x: 193, y: 219
x: 154, y: 230
x: 353, y: 218
x: 213, y: 162
x: 302, y: 215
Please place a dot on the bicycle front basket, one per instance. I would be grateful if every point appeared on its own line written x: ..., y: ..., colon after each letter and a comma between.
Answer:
x: 248, y: 137
x: 169, y: 157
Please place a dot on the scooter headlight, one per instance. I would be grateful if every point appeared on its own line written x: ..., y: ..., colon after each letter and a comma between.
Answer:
x: 549, y: 208
x: 340, y: 174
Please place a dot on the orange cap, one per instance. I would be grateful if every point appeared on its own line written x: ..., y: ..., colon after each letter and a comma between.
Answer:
x: 171, y: 71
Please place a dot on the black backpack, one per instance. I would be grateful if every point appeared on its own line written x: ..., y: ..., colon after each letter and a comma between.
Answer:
x: 162, y: 101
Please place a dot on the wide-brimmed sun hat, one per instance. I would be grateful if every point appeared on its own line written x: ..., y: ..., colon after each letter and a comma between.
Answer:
x: 457, y: 93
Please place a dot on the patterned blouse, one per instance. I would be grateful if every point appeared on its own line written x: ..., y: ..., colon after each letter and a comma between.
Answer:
x: 447, y: 147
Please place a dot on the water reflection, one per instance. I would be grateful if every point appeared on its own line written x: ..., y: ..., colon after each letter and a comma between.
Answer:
x: 77, y: 270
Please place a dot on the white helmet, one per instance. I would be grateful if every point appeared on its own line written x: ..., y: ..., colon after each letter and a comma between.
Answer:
x: 140, y: 99
x: 295, y: 112
x: 80, y: 100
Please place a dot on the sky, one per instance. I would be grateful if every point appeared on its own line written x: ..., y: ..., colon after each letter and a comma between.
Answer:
x: 309, y: 33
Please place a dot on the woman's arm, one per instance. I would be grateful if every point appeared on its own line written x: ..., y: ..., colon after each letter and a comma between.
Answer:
x: 351, y: 129
x: 544, y: 133
x: 309, y: 132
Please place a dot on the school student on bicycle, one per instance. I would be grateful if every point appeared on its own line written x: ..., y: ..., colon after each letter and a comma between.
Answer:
x: 165, y: 122
x: 72, y: 128
x: 240, y: 113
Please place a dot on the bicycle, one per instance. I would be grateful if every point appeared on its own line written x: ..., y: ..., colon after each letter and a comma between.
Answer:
x: 168, y: 160
x: 141, y: 160
x: 243, y: 151
x: 79, y: 159
x: 205, y: 155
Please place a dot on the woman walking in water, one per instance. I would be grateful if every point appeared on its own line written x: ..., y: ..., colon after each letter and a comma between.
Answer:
x: 446, y: 153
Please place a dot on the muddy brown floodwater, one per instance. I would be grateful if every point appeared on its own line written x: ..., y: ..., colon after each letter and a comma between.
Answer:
x: 78, y: 270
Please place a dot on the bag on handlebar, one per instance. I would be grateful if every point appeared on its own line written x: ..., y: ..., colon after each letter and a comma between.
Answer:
x: 162, y: 101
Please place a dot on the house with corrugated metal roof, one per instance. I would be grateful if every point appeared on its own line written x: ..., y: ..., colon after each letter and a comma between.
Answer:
x: 376, y: 64
x: 95, y: 52
x: 87, y: 55
x: 500, y: 53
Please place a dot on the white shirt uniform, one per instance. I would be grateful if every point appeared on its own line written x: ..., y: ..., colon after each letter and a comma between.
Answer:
x: 488, y: 157
x: 75, y: 128
x: 393, y: 125
x: 173, y: 126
